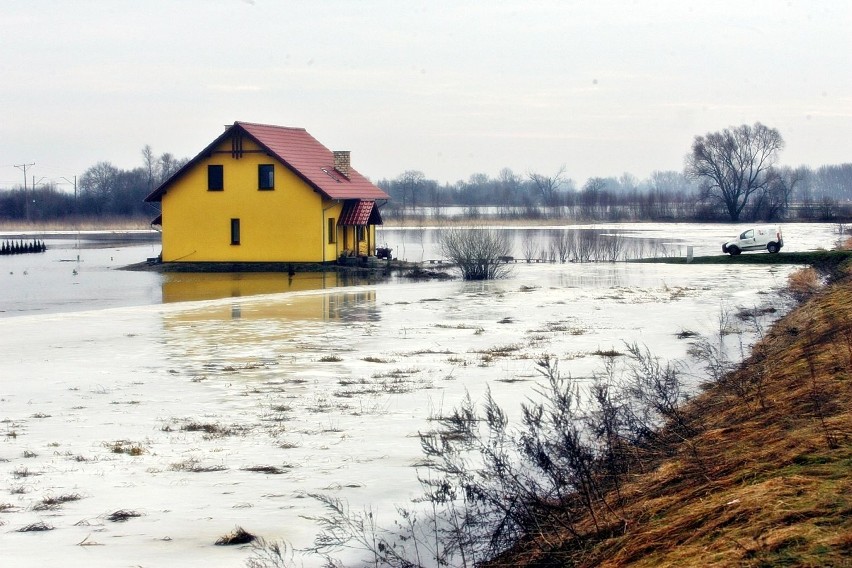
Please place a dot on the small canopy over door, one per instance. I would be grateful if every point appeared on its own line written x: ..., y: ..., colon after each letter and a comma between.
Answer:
x: 359, y: 214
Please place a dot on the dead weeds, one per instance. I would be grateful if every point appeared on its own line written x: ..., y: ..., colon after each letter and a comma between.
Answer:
x: 765, y: 481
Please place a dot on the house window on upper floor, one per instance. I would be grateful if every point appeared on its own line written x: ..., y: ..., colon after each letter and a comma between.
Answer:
x: 235, y: 231
x: 266, y: 176
x: 332, y: 231
x: 215, y: 178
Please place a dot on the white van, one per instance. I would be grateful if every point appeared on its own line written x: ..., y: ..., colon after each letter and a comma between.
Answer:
x: 766, y: 237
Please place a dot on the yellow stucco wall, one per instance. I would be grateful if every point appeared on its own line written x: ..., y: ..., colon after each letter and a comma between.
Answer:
x: 286, y: 224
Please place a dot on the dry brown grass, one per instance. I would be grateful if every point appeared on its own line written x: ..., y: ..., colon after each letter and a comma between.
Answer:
x: 773, y: 486
x: 82, y: 224
x: 803, y: 283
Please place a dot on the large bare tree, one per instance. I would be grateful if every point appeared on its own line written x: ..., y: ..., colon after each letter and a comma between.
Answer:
x: 548, y: 186
x: 734, y: 164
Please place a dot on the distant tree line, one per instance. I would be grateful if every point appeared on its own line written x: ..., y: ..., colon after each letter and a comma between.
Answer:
x: 821, y: 194
x: 103, y: 190
x: 730, y: 175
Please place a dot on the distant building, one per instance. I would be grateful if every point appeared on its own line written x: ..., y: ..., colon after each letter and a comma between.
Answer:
x: 262, y: 193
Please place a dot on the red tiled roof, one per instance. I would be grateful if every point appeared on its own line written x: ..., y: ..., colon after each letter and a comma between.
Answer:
x: 360, y: 212
x: 299, y: 151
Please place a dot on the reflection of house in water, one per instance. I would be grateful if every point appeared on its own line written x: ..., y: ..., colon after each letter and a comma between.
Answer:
x: 264, y: 331
x: 353, y: 307
x: 191, y: 286
x: 340, y: 306
x: 194, y: 286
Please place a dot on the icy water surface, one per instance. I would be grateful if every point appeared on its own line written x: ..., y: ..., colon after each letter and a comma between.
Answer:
x: 231, y: 404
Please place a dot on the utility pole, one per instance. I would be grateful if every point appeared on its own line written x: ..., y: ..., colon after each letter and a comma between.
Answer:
x: 34, y: 195
x: 75, y: 190
x: 24, y: 167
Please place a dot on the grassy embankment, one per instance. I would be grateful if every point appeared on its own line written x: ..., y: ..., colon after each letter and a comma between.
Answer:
x: 823, y: 259
x: 767, y: 479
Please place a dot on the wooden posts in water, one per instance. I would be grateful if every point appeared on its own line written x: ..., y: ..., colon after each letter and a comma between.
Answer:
x: 22, y: 247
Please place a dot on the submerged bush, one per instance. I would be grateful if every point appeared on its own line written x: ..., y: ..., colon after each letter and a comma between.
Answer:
x: 480, y: 254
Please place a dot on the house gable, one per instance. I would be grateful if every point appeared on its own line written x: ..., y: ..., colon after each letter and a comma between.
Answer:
x: 318, y: 166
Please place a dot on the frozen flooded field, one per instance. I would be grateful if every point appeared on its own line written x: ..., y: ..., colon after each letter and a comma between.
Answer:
x: 192, y: 404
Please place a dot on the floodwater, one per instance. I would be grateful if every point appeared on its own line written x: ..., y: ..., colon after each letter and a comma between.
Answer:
x: 81, y: 271
x: 170, y: 396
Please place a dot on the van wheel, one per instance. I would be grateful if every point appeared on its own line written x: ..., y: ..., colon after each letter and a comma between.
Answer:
x: 733, y: 251
x: 772, y: 247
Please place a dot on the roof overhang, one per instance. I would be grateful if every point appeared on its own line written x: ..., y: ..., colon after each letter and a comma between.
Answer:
x: 359, y: 212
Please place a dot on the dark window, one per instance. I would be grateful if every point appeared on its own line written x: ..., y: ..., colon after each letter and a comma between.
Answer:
x: 235, y: 231
x: 215, y: 178
x: 332, y: 231
x: 266, y: 176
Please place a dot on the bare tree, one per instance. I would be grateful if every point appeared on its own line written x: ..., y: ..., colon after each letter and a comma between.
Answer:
x: 773, y: 202
x: 97, y: 184
x: 548, y: 186
x: 410, y: 183
x: 168, y: 165
x: 150, y: 164
x: 734, y: 164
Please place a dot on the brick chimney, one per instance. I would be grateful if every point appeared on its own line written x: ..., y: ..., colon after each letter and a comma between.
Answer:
x: 341, y: 162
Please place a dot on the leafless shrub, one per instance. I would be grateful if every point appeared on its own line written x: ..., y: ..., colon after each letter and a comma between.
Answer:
x: 529, y: 247
x: 477, y: 253
x: 274, y: 554
x: 486, y: 485
x: 562, y: 244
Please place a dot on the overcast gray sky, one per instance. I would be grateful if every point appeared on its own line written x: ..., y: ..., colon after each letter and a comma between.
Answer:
x: 450, y: 88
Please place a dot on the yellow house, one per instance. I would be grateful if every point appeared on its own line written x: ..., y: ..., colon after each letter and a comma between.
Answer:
x: 262, y: 193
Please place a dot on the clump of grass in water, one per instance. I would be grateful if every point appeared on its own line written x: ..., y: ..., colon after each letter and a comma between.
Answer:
x: 49, y: 503
x: 237, y: 536
x: 36, y: 527
x: 192, y: 466
x: 122, y: 515
x: 125, y: 447
x: 267, y: 469
x: 211, y: 429
x: 24, y: 472
x: 607, y: 353
x: 330, y: 359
